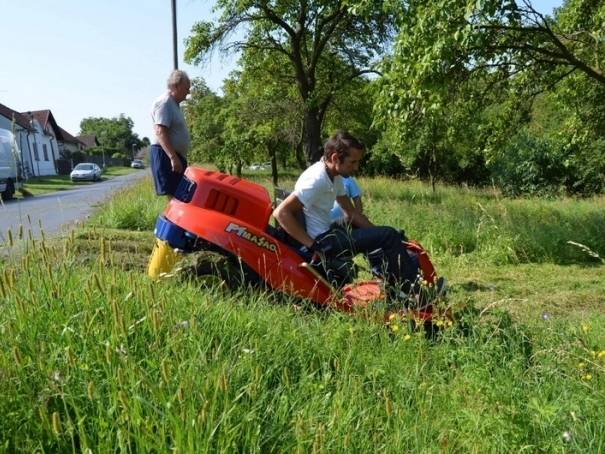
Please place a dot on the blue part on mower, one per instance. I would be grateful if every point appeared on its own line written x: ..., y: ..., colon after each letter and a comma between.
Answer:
x: 174, y: 235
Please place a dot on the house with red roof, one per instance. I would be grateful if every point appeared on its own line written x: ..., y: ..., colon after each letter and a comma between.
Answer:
x: 24, y: 135
x: 45, y: 147
x: 46, y: 141
x: 39, y: 139
x: 70, y: 144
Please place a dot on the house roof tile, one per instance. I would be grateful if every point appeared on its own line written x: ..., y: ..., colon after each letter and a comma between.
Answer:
x: 19, y: 118
x: 45, y: 117
x: 89, y: 141
x: 67, y: 137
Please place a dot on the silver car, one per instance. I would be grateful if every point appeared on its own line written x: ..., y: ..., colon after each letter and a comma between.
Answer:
x: 86, y: 171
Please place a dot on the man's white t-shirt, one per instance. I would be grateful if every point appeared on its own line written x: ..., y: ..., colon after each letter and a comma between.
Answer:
x: 165, y: 111
x: 317, y: 193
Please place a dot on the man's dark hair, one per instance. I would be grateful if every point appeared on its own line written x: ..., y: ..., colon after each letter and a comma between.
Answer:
x: 340, y: 143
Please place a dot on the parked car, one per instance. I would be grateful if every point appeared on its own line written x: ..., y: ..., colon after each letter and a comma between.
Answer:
x: 255, y: 167
x: 137, y: 164
x: 265, y: 166
x: 86, y: 171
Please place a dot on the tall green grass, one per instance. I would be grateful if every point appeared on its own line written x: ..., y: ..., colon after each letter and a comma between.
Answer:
x: 95, y: 357
x: 493, y: 229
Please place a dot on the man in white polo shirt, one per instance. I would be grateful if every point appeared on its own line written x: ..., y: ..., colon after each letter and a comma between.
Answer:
x: 170, y: 140
x: 315, y: 192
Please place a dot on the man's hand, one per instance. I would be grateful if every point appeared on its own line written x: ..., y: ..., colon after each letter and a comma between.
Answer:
x: 321, y: 246
x: 161, y: 133
x: 177, y: 165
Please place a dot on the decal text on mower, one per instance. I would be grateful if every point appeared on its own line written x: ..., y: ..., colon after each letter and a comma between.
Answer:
x: 258, y: 240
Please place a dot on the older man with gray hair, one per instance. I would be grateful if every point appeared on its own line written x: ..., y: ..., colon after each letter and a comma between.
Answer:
x: 170, y: 139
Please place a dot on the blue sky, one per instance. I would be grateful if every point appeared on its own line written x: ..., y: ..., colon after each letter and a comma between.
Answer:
x: 101, y: 58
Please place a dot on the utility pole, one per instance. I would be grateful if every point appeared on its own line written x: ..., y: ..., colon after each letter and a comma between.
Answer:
x: 174, y: 43
x: 103, y: 135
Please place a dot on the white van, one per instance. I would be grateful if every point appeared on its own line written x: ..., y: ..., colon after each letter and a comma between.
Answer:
x: 11, y: 171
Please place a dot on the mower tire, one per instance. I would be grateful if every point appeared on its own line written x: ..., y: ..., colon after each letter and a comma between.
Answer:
x: 210, y: 269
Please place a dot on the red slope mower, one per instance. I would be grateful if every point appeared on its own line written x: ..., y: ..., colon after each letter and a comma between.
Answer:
x: 224, y: 223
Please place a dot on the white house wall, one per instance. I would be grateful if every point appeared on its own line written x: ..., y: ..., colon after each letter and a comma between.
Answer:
x: 43, y: 166
x: 27, y: 155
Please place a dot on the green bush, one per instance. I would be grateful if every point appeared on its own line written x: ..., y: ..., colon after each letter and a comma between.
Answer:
x: 531, y: 166
x: 587, y: 167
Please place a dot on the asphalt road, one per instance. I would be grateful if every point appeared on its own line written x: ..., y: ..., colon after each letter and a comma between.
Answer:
x: 56, y: 211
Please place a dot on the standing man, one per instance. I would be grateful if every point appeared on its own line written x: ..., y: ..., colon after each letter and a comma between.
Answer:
x: 170, y: 139
x: 315, y: 192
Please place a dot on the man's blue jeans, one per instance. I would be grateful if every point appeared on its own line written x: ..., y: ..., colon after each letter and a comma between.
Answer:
x: 400, y: 268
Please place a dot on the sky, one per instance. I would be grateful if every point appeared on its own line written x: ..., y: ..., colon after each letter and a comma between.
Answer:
x: 102, y: 58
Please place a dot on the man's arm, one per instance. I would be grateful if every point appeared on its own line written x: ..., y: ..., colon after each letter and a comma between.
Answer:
x: 352, y: 213
x: 358, y: 203
x: 161, y: 132
x: 284, y: 214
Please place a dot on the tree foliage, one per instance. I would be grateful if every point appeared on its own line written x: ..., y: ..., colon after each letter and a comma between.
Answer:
x: 444, y: 44
x: 113, y: 133
x: 464, y: 77
x: 318, y: 46
x: 490, y: 92
x: 202, y: 110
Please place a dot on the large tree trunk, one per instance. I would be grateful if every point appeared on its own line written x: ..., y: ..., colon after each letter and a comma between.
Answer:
x: 300, y: 156
x: 313, y: 146
x: 299, y: 151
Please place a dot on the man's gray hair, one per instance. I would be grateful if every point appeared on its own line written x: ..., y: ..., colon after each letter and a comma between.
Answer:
x: 176, y: 78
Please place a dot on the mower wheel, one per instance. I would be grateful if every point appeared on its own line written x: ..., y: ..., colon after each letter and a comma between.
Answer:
x: 211, y: 270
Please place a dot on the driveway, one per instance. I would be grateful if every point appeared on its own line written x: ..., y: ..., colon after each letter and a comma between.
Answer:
x: 58, y: 210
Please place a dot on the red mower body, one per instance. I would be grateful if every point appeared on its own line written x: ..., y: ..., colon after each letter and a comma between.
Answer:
x: 232, y: 216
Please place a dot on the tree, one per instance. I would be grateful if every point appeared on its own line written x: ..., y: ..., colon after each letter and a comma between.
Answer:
x: 321, y: 45
x: 202, y: 111
x: 499, y: 52
x: 260, y: 120
x: 443, y: 44
x: 112, y: 133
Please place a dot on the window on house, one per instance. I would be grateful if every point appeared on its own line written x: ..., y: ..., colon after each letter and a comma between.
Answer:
x: 45, y: 151
x: 36, y: 157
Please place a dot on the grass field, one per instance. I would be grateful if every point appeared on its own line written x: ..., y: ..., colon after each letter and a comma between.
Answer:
x: 96, y: 357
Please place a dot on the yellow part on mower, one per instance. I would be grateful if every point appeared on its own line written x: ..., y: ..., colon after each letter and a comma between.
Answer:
x: 163, y: 258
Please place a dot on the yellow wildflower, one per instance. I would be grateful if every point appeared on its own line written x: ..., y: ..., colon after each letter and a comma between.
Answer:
x: 601, y: 353
x: 407, y: 337
x: 585, y: 328
x: 587, y: 377
x: 392, y: 316
x: 394, y: 328
x: 439, y: 323
x: 449, y: 323
x: 581, y: 365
